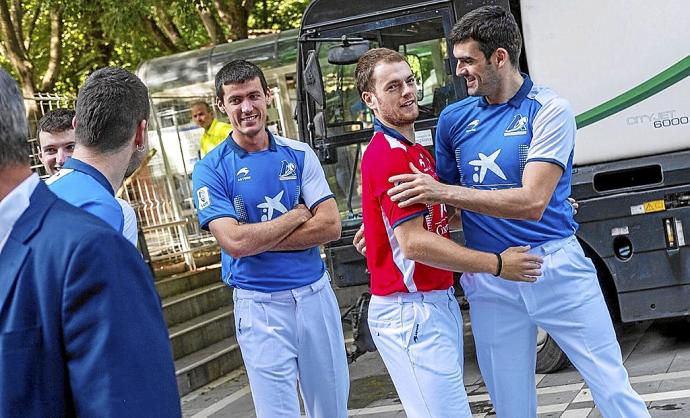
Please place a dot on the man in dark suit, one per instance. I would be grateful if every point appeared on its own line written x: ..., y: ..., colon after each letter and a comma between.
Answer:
x: 81, y: 328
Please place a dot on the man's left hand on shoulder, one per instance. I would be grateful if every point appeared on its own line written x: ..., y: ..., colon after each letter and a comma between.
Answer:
x: 415, y: 188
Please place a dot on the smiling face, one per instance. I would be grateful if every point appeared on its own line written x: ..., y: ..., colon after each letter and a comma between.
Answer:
x: 246, y: 105
x: 394, y: 99
x: 56, y: 148
x: 481, y: 76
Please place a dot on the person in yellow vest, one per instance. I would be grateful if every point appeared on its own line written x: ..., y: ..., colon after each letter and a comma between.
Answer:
x: 215, y: 131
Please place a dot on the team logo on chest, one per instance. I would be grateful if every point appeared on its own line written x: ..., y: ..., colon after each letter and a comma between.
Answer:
x: 288, y: 171
x: 424, y: 164
x: 485, y: 164
x: 270, y: 205
x: 517, y: 126
x: 472, y: 126
x: 243, y: 174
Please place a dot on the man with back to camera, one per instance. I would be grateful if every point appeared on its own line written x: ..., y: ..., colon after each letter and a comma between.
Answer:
x: 505, y: 154
x: 56, y: 144
x: 111, y: 142
x: 266, y: 201
x: 215, y: 131
x: 74, y: 341
x: 410, y: 256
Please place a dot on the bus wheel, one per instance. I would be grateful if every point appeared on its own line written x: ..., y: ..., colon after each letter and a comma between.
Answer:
x: 550, y: 357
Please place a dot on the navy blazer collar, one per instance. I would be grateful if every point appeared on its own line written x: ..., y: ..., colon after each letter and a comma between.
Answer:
x: 39, y: 204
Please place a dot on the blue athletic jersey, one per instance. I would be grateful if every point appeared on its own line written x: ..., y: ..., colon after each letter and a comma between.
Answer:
x: 81, y: 185
x: 487, y: 146
x: 260, y: 186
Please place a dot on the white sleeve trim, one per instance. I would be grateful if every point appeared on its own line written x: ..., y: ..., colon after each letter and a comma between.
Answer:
x: 553, y: 133
x: 314, y: 185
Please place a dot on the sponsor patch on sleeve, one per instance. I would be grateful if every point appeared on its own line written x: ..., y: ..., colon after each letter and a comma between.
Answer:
x: 203, y: 197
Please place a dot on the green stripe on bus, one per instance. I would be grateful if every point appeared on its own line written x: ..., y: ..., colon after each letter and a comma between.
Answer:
x: 661, y: 81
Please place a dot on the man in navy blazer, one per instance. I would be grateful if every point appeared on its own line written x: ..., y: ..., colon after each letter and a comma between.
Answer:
x: 81, y: 328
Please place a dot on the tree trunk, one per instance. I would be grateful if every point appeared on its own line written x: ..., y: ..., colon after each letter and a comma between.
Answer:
x: 15, y: 51
x: 159, y: 36
x: 168, y: 27
x: 17, y: 16
x: 32, y: 26
x: 213, y: 28
x: 56, y: 30
x: 235, y: 14
x: 99, y: 42
x: 224, y: 12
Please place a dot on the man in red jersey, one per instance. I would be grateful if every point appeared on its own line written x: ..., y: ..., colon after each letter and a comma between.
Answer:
x: 414, y: 317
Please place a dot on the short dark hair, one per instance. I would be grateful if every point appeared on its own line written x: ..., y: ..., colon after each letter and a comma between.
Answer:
x: 492, y: 27
x: 14, y: 148
x: 110, y: 105
x: 364, y: 72
x: 236, y: 72
x: 56, y: 121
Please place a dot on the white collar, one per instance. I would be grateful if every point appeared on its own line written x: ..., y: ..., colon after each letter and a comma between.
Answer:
x: 14, y: 205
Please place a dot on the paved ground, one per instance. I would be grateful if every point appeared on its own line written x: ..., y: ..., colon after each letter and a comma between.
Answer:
x: 656, y: 353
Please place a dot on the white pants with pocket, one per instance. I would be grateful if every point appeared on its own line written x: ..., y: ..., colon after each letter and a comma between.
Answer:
x: 289, y: 336
x: 419, y: 336
x: 566, y: 301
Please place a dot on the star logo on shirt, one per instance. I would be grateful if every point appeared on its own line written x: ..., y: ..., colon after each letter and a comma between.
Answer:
x: 485, y: 164
x: 270, y: 205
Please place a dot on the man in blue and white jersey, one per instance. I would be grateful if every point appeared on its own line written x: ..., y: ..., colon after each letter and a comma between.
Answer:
x: 111, y: 142
x: 506, y: 154
x: 266, y: 201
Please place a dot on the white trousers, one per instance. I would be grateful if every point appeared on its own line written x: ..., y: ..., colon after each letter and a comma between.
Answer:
x: 289, y: 336
x: 567, y: 302
x: 419, y: 337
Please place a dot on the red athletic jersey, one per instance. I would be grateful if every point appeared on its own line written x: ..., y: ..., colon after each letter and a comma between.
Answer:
x: 390, y: 271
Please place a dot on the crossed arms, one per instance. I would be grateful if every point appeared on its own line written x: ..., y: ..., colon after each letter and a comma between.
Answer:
x: 297, y: 229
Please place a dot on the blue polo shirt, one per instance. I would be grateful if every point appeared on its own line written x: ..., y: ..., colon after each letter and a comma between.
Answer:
x: 487, y: 146
x: 81, y: 185
x: 256, y: 187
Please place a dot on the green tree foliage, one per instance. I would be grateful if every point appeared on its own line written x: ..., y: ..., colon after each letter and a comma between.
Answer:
x: 53, y: 45
x: 277, y: 14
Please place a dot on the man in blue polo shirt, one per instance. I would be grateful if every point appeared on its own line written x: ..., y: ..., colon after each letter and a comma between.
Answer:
x: 111, y: 142
x: 266, y: 201
x: 510, y: 148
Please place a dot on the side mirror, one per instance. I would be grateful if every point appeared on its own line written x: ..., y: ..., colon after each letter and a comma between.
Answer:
x: 312, y: 78
x: 348, y: 52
